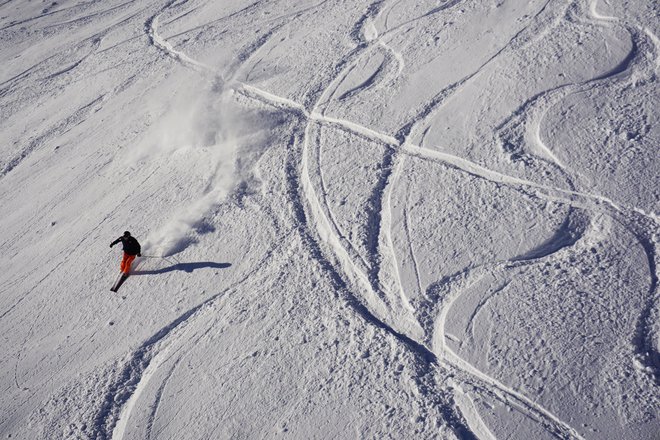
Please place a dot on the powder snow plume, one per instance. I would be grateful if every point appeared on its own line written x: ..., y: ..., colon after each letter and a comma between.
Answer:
x: 235, y: 139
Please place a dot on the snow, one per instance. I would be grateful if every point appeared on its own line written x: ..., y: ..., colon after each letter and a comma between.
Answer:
x: 367, y: 219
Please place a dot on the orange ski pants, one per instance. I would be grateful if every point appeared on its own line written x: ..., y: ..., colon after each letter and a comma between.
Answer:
x: 126, y: 263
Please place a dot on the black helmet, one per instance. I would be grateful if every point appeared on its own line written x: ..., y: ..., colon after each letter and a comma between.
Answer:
x: 127, y: 234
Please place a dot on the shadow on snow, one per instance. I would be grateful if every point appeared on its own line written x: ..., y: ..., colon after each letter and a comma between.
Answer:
x: 185, y: 267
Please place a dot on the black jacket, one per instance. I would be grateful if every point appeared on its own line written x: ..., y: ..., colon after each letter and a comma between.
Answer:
x: 130, y: 245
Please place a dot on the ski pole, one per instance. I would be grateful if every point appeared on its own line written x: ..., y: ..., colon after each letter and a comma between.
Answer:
x: 163, y: 258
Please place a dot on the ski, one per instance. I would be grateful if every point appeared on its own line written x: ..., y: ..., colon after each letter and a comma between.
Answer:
x: 119, y: 282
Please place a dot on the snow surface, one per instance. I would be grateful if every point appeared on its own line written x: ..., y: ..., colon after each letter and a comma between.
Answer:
x: 360, y: 219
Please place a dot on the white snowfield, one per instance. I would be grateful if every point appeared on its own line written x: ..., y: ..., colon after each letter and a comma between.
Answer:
x: 407, y: 219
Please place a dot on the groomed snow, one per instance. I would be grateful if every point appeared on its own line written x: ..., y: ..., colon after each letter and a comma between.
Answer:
x: 360, y: 219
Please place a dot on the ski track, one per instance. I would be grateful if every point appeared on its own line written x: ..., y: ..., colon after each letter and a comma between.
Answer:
x: 65, y: 254
x: 370, y: 269
x: 386, y: 227
x: 643, y: 339
x: 87, y: 18
x: 355, y: 255
x: 509, y: 396
x: 434, y: 104
x: 149, y: 372
x: 322, y: 229
x: 81, y: 114
x: 17, y: 80
x: 445, y: 6
x: 528, y: 117
x: 364, y: 85
x: 158, y: 399
x: 482, y: 382
x: 77, y: 118
x: 46, y: 14
x: 469, y: 328
x: 325, y: 233
x: 325, y: 229
x: 636, y: 63
x: 546, y: 99
x: 357, y: 33
x: 378, y: 199
x: 151, y: 28
x: 593, y: 6
x: 301, y: 188
x: 144, y: 361
x: 297, y: 193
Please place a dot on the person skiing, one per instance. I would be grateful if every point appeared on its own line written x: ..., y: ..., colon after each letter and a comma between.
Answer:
x: 131, y: 250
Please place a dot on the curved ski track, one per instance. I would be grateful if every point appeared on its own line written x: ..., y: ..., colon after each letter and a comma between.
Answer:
x: 319, y: 230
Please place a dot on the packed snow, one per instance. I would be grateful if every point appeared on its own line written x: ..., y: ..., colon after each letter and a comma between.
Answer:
x: 359, y: 219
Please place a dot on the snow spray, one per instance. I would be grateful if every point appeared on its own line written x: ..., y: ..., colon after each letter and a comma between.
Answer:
x: 235, y: 139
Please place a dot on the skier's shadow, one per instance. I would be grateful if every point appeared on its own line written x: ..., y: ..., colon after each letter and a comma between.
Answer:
x: 185, y: 267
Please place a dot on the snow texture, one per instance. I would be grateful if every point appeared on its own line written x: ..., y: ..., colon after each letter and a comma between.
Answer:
x: 360, y: 219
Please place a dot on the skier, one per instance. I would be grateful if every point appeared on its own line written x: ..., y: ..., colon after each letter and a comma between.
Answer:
x: 131, y: 250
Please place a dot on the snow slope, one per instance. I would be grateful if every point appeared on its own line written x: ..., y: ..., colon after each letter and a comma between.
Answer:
x: 360, y: 219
